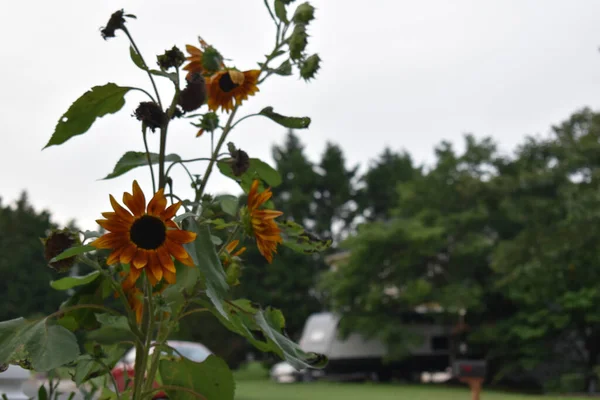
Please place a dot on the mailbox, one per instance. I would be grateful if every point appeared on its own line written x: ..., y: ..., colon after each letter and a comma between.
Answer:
x: 469, y: 369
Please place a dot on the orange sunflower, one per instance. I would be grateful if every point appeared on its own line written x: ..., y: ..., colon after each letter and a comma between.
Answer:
x: 226, y: 86
x: 145, y: 238
x: 261, y: 223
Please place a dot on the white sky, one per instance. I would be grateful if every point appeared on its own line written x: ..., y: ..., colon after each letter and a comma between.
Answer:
x: 407, y: 74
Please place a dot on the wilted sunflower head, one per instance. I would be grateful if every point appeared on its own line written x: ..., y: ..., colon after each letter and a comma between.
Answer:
x: 57, y: 242
x: 145, y: 237
x: 116, y: 21
x: 231, y: 85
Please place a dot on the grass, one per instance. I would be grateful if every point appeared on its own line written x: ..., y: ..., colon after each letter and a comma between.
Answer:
x: 252, y: 383
x: 267, y: 390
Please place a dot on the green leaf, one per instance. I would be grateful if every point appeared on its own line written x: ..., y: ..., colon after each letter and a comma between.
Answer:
x: 91, y: 293
x: 134, y: 159
x: 202, y: 251
x: 228, y: 203
x: 137, y: 59
x: 288, y: 122
x: 39, y: 343
x: 73, y: 251
x: 266, y: 172
x: 70, y: 282
x: 298, y: 239
x: 281, y: 12
x: 285, y: 69
x: 95, y: 103
x: 113, y: 329
x: 210, y: 378
x: 42, y: 393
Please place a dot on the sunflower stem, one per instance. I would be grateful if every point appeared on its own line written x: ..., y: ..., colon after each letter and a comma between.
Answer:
x: 163, y: 135
x: 211, y: 164
x: 270, y: 12
x: 141, y: 355
x: 146, y: 65
x: 144, y: 131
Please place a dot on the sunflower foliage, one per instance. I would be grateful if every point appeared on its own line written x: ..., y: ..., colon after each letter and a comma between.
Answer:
x: 160, y: 257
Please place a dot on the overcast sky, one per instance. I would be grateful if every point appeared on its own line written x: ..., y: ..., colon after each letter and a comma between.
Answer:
x: 407, y: 74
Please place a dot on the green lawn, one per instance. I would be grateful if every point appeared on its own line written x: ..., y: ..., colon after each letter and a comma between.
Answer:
x: 266, y: 390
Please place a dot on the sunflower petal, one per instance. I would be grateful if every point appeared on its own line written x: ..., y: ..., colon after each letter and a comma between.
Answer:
x: 176, y: 249
x: 139, y: 198
x: 140, y: 259
x: 155, y: 267
x: 109, y: 240
x: 158, y: 203
x: 120, y: 211
x: 128, y: 254
x: 165, y: 259
x: 114, y: 256
x: 170, y: 211
x: 181, y: 236
x: 169, y: 276
x: 186, y: 261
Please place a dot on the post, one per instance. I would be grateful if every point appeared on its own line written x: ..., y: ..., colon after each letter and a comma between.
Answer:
x: 11, y: 382
x: 471, y: 372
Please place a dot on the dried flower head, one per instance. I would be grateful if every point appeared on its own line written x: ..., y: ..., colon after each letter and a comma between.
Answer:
x: 116, y: 21
x: 173, y: 58
x: 194, y: 95
x: 150, y: 114
x: 57, y: 242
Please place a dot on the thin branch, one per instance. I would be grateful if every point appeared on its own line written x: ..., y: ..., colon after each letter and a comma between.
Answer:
x: 245, y: 117
x: 149, y: 160
x: 194, y: 311
x: 144, y: 91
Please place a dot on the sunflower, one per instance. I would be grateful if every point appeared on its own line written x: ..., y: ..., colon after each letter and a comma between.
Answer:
x: 260, y: 222
x: 146, y: 238
x: 207, y: 60
x: 228, y: 85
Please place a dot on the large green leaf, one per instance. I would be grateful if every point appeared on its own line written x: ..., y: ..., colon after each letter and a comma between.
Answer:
x: 207, y: 260
x: 210, y: 378
x: 298, y: 239
x: 70, y: 282
x: 95, y: 103
x: 228, y: 203
x: 134, y: 159
x: 92, y: 293
x: 288, y: 122
x: 248, y: 319
x: 40, y: 344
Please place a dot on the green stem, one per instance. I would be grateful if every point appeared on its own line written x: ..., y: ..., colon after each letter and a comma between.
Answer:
x: 211, y: 164
x: 163, y: 135
x: 186, y: 161
x: 141, y: 355
x: 144, y: 91
x: 149, y: 160
x: 270, y: 12
x: 146, y: 65
x: 194, y: 311
x: 229, y: 239
x: 243, y: 118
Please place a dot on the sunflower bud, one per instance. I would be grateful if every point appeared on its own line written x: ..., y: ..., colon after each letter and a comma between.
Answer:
x: 116, y: 21
x: 150, y: 114
x: 310, y: 66
x: 304, y: 14
x: 173, y: 58
x: 298, y: 41
x: 193, y: 96
x: 57, y: 242
x: 208, y: 123
x: 212, y: 60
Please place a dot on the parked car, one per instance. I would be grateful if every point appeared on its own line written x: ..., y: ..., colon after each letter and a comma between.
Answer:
x: 124, y: 371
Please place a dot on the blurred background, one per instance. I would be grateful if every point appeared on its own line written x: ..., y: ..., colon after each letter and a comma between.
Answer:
x: 453, y: 157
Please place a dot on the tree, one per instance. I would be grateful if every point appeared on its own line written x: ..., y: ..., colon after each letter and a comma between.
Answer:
x: 24, y: 271
x: 378, y: 197
x: 550, y: 268
x: 433, y: 247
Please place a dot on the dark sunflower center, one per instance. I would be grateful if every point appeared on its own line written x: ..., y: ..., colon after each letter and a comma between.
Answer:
x: 226, y: 84
x: 148, y: 232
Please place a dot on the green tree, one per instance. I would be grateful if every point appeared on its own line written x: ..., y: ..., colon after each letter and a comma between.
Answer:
x: 24, y: 271
x: 550, y: 268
